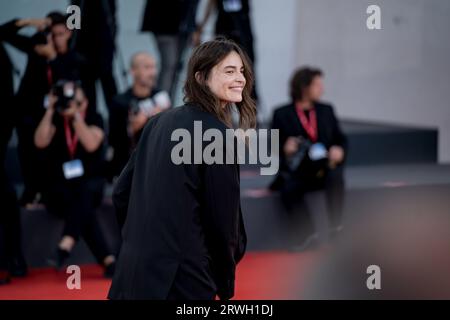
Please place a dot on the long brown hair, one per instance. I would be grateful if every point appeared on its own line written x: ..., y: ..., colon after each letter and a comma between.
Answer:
x: 203, y: 60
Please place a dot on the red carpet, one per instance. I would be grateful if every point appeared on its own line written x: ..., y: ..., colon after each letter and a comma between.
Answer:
x: 265, y: 275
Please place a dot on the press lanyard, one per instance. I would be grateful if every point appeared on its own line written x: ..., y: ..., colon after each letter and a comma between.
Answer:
x: 71, y: 139
x: 49, y: 75
x: 309, y: 126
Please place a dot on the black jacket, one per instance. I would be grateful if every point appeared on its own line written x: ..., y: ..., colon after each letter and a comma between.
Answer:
x: 183, y: 223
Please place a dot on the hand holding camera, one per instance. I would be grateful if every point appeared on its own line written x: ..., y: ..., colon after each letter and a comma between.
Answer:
x: 291, y: 146
x: 142, y: 110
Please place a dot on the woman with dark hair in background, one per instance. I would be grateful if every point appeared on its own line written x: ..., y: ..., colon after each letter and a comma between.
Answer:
x: 183, y: 233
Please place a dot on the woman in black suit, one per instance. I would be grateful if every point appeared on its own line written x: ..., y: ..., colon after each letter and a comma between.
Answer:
x: 183, y: 231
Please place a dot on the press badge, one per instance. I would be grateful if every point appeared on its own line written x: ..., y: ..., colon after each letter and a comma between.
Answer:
x: 232, y: 5
x: 73, y: 169
x: 317, y: 152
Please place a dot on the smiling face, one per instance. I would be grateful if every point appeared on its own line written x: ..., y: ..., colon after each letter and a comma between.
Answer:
x: 226, y: 80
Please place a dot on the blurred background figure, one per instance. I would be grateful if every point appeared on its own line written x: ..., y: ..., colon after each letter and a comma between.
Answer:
x: 233, y: 22
x: 73, y: 142
x: 172, y: 22
x: 313, y: 150
x: 11, y: 257
x: 131, y: 110
x: 49, y: 59
x: 96, y: 42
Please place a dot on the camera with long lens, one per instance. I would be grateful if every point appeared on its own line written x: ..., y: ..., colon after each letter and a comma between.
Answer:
x: 302, y: 152
x: 64, y: 90
x: 144, y: 105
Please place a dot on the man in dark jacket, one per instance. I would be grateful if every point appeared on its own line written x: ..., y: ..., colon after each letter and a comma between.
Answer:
x: 49, y: 60
x: 130, y: 111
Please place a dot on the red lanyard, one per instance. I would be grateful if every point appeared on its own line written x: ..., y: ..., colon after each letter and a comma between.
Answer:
x: 71, y: 139
x: 49, y: 75
x: 309, y: 126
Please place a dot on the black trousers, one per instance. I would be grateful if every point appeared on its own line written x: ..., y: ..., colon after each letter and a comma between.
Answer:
x: 76, y: 202
x: 294, y: 191
x: 30, y: 158
x: 100, y: 67
x: 10, y: 227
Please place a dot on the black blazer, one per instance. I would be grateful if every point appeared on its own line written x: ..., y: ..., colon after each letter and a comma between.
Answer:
x: 286, y: 120
x: 183, y: 224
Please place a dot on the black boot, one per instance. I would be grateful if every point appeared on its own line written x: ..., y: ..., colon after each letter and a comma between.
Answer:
x: 59, y: 258
x: 109, y: 270
x: 17, y: 266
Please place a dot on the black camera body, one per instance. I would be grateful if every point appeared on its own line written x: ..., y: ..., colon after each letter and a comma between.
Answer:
x: 64, y: 90
x: 301, y: 162
x: 41, y: 37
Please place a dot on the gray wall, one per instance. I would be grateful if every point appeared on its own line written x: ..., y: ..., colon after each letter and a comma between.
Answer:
x: 400, y: 74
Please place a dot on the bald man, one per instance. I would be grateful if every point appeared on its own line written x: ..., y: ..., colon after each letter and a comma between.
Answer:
x: 131, y: 110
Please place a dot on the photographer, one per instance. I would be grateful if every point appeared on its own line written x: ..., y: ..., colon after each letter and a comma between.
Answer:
x: 313, y: 149
x: 49, y: 59
x: 131, y: 110
x: 72, y: 139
